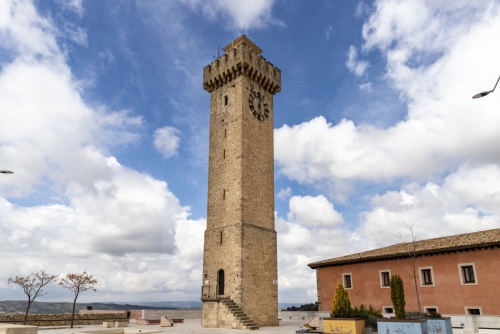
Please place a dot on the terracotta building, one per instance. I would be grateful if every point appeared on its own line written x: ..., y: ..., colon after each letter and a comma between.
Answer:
x: 459, y: 274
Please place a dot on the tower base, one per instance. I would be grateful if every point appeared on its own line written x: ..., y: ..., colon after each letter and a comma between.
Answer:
x: 224, y: 313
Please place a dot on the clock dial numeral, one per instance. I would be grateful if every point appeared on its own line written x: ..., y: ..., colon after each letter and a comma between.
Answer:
x: 258, y: 106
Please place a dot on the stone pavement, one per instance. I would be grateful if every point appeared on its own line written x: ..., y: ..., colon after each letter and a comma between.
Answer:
x: 189, y: 326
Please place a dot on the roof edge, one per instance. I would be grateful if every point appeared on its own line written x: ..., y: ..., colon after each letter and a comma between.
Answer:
x: 325, y: 263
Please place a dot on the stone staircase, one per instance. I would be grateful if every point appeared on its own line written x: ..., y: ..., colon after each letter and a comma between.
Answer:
x: 237, y: 312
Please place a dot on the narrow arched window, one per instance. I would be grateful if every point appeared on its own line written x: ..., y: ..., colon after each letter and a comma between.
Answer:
x: 220, y: 282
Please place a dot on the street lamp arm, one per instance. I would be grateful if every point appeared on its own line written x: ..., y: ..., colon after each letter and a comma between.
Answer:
x: 495, y: 85
x: 6, y: 172
x: 482, y: 94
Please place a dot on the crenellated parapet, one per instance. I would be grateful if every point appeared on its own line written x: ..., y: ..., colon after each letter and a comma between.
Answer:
x: 242, y: 58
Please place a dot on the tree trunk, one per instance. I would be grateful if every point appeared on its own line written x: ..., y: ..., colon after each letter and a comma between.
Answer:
x: 73, y: 314
x: 27, y: 310
x: 416, y: 288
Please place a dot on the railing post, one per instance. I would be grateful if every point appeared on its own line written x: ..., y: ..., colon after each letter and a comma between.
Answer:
x: 210, y: 291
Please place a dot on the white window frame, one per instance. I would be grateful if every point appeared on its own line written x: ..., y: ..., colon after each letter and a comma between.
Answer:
x: 382, y: 281
x: 343, y: 281
x: 422, y: 278
x: 461, y: 274
x: 426, y: 307
x: 384, y: 307
x: 466, y: 308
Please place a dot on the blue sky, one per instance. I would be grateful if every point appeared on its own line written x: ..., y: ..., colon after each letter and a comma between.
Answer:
x: 104, y: 120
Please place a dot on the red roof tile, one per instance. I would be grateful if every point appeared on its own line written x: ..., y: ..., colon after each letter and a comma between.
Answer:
x: 428, y: 246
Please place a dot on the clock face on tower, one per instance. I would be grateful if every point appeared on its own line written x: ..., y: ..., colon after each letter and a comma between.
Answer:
x: 258, y: 105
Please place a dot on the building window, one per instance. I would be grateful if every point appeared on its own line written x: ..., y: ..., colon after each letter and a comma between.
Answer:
x: 221, y: 238
x: 473, y: 310
x: 224, y: 154
x: 226, y: 100
x: 223, y: 194
x: 467, y: 272
x: 347, y: 278
x: 385, y: 278
x: 426, y: 276
x: 388, y: 309
x: 225, y: 133
x: 431, y: 309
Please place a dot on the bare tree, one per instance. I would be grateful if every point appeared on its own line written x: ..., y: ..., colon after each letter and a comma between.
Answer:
x: 78, y: 283
x: 32, y: 286
x: 410, y: 240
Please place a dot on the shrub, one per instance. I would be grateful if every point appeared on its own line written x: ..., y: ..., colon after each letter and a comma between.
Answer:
x: 341, y: 307
x: 370, y: 314
x: 398, y: 296
x: 420, y: 315
x: 415, y: 315
x: 305, y: 307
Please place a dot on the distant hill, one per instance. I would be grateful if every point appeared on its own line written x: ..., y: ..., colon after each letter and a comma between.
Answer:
x: 196, y: 305
x: 15, y: 306
x: 189, y: 305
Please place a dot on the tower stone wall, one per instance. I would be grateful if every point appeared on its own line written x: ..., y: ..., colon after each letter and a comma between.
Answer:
x: 240, y: 238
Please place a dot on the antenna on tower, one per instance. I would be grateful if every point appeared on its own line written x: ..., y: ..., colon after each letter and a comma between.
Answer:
x: 218, y: 49
x: 218, y: 53
x: 243, y: 28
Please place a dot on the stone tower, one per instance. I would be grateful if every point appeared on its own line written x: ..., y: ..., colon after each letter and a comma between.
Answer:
x: 240, y: 254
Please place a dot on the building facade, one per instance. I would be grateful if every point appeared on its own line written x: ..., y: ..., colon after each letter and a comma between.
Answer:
x: 455, y: 275
x: 239, y: 288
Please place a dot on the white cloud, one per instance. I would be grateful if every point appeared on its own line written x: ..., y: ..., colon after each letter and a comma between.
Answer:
x: 366, y: 86
x: 358, y: 67
x: 329, y: 32
x: 244, y: 13
x: 167, y: 141
x: 23, y: 31
x: 76, y: 34
x: 444, y: 127
x: 361, y: 9
x: 313, y: 211
x: 104, y: 217
x: 313, y: 231
x: 284, y: 193
x: 438, y: 209
x: 74, y: 5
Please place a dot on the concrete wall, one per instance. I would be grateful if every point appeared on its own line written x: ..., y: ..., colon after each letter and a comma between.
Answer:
x: 172, y: 314
x: 59, y: 319
x: 301, y: 315
x: 447, y: 293
x: 124, y: 312
x: 470, y: 324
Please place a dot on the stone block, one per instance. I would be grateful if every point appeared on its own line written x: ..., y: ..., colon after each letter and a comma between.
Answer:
x: 17, y: 329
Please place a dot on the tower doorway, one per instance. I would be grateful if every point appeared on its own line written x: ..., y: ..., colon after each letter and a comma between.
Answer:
x: 220, y: 282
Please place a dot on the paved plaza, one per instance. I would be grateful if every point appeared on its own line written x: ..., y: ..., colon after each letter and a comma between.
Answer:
x: 189, y: 326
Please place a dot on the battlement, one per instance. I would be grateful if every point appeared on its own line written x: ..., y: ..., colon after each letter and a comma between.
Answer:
x: 242, y: 58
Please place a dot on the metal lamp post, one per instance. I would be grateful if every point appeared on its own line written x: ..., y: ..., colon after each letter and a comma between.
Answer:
x: 478, y: 95
x: 6, y: 172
